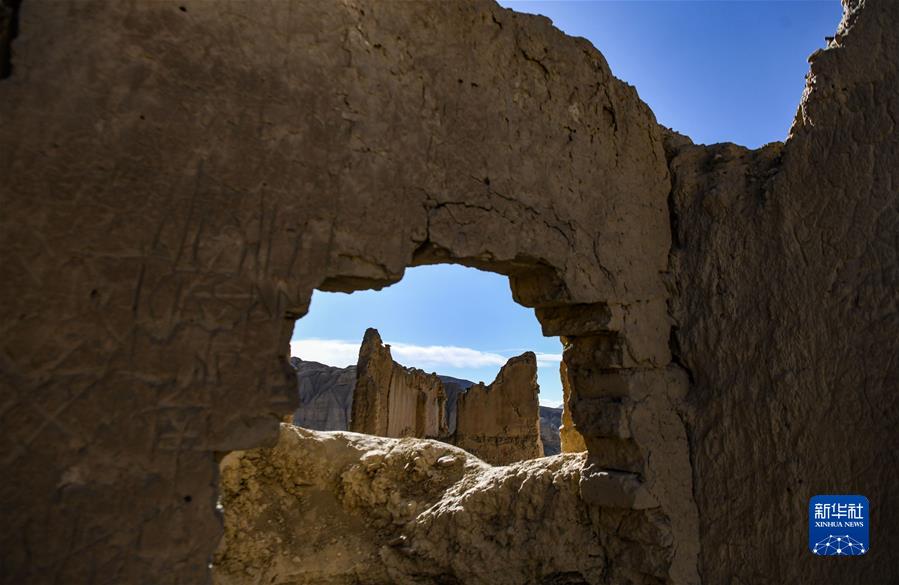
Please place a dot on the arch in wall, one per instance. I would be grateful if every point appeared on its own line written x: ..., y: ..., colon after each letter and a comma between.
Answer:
x: 619, y: 410
x: 211, y: 167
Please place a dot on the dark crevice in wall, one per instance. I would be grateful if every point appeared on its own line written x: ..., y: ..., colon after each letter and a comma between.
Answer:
x: 9, y: 30
x: 672, y: 144
x: 676, y: 359
x: 673, y: 219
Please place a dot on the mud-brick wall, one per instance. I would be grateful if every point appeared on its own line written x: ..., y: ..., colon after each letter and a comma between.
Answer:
x: 390, y: 400
x: 177, y: 178
x: 787, y: 318
x: 500, y: 422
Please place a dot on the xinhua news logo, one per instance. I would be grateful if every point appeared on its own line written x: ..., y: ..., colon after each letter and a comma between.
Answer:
x: 838, y: 525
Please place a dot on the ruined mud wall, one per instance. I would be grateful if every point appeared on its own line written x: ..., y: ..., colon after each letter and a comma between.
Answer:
x: 787, y: 290
x: 570, y: 439
x: 390, y: 400
x: 500, y: 422
x: 178, y: 178
x: 371, y: 401
x: 416, y: 405
x: 326, y: 403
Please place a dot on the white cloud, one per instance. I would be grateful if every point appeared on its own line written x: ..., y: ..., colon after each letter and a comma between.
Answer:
x: 549, y: 359
x: 341, y: 353
x: 332, y: 352
x: 444, y: 355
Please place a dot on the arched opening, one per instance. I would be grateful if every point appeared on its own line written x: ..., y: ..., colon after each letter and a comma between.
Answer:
x: 403, y: 505
x: 169, y: 212
x: 456, y: 323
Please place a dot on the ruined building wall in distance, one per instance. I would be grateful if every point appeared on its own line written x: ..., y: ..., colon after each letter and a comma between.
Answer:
x: 393, y: 401
x: 500, y: 422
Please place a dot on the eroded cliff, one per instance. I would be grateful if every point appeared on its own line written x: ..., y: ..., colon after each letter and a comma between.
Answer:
x: 326, y: 395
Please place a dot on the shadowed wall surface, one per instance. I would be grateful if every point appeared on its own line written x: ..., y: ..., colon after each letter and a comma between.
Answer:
x: 177, y: 180
x: 787, y: 263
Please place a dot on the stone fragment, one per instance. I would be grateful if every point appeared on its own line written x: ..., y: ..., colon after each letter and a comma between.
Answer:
x: 446, y: 461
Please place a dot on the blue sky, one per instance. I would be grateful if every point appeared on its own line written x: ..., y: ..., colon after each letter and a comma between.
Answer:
x: 450, y: 319
x: 715, y: 71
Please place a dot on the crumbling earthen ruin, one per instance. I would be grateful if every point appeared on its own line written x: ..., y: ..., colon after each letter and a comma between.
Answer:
x: 326, y: 402
x: 499, y: 423
x: 178, y: 178
x: 393, y: 401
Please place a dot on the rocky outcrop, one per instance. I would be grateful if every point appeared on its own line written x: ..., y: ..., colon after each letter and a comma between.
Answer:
x: 390, y: 400
x: 344, y: 509
x: 326, y: 395
x: 500, y: 423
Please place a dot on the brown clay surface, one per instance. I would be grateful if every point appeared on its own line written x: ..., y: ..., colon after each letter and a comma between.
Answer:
x: 175, y: 183
x: 342, y: 508
x: 500, y: 422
